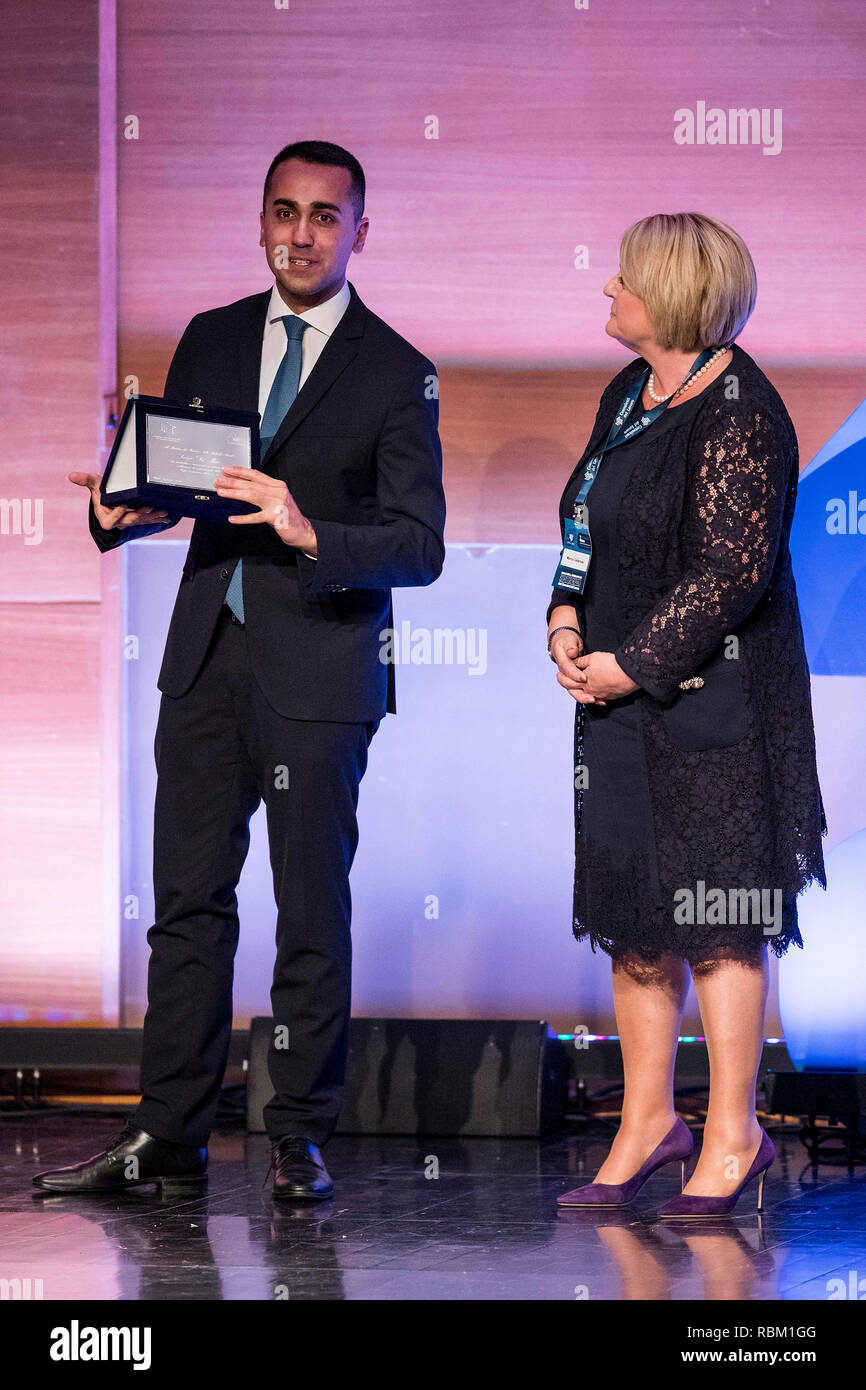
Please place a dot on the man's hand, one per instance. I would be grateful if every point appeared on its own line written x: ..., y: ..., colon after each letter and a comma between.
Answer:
x: 603, y: 678
x: 276, y: 505
x: 117, y: 518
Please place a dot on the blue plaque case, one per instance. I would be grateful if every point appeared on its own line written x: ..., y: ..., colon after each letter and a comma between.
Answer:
x: 156, y: 456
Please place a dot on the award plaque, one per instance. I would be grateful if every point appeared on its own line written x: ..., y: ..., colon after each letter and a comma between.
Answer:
x: 169, y: 456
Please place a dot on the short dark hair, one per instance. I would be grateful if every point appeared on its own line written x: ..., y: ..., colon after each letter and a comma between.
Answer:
x: 322, y: 152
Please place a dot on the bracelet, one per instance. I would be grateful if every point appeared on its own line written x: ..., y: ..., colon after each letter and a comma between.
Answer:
x: 564, y: 628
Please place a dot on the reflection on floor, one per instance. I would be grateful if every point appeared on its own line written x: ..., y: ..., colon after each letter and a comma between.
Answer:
x: 420, y: 1219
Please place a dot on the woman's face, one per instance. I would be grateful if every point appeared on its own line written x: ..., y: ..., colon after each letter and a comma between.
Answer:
x: 628, y: 321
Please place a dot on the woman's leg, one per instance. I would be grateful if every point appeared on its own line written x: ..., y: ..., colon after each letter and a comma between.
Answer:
x: 732, y: 996
x: 649, y: 1003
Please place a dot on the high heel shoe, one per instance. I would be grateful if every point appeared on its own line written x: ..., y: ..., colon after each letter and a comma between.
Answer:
x: 677, y: 1144
x: 698, y: 1207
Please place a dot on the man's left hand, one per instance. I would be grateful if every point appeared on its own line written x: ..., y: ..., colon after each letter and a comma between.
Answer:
x: 277, y: 505
x: 605, y: 678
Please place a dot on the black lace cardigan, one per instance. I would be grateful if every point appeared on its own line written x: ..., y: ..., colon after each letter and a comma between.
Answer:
x: 703, y: 555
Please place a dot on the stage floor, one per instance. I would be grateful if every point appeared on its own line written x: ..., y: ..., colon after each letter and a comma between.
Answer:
x: 486, y: 1228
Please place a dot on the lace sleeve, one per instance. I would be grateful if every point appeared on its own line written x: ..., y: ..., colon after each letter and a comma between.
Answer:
x: 734, y: 521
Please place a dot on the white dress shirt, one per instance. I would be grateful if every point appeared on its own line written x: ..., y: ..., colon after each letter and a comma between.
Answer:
x: 323, y: 319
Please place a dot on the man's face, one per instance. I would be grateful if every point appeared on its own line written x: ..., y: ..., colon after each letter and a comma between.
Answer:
x: 309, y: 231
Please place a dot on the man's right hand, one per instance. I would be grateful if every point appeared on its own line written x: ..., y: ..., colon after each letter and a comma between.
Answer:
x: 117, y: 518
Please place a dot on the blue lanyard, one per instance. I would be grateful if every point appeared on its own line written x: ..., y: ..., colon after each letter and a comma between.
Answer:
x: 620, y: 431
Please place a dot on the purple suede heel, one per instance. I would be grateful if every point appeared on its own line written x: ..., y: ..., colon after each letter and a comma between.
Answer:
x: 677, y: 1144
x: 698, y: 1207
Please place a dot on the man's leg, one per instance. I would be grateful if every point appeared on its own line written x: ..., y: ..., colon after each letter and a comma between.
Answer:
x: 207, y: 790
x: 310, y: 773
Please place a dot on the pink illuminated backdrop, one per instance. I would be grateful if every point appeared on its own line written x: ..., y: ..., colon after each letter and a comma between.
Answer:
x: 507, y: 145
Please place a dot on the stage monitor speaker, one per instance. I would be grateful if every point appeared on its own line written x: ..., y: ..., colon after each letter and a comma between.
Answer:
x: 436, y: 1076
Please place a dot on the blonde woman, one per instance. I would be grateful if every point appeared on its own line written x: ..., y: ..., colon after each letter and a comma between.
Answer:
x: 674, y: 625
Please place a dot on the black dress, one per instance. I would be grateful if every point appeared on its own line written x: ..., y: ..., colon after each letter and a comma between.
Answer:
x: 671, y: 786
x: 616, y: 820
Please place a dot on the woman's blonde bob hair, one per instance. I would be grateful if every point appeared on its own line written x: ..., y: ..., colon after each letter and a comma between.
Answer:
x: 694, y: 275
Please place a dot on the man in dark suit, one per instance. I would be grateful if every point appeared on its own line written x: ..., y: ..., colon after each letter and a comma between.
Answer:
x: 272, y: 683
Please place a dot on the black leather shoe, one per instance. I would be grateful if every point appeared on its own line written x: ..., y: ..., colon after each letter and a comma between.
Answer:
x: 133, y: 1159
x: 299, y: 1170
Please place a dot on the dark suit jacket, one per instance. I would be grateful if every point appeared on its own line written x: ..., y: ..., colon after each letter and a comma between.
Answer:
x: 359, y: 451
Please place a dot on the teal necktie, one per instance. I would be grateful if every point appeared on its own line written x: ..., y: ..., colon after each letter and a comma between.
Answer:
x: 282, y: 394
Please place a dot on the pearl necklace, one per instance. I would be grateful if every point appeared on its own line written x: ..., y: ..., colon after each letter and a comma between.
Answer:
x: 687, y: 382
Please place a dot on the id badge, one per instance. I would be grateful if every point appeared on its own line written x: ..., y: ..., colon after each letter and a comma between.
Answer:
x: 574, y: 560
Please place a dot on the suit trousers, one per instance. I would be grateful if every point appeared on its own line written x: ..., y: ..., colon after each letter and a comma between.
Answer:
x: 220, y: 750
